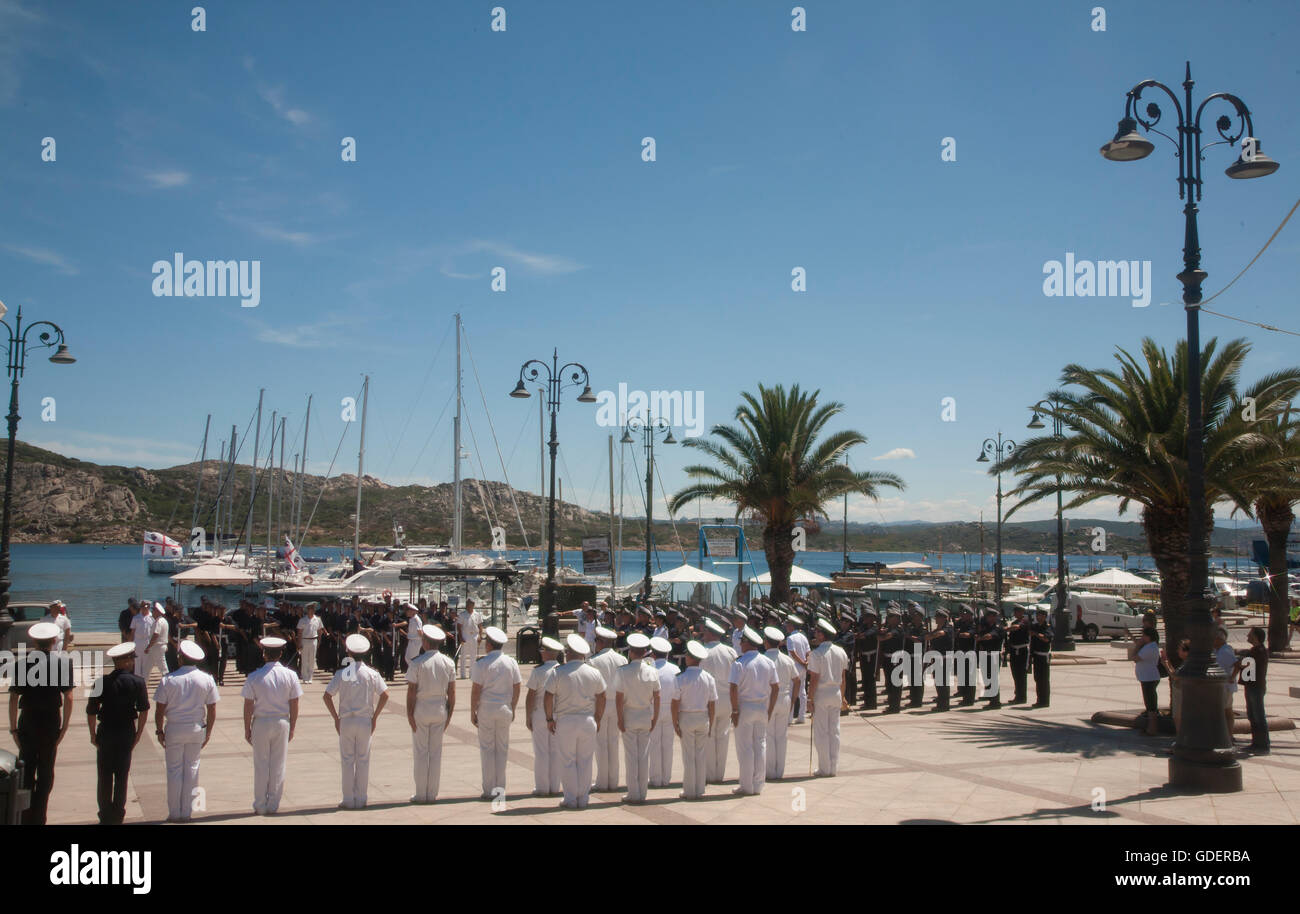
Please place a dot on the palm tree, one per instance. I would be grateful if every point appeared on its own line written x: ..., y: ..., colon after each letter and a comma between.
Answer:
x: 1126, y: 438
x: 772, y: 466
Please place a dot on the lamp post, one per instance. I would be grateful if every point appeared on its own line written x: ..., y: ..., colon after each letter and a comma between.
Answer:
x: 53, y: 336
x: 1062, y: 640
x: 535, y: 370
x: 1203, y: 757
x: 648, y: 430
x: 999, y: 450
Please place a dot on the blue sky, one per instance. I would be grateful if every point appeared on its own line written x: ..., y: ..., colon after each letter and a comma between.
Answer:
x: 523, y: 149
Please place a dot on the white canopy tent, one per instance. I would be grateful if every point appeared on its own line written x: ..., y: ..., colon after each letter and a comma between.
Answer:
x: 799, y: 577
x: 689, y: 574
x: 212, y: 574
x: 909, y: 566
x: 1113, y: 579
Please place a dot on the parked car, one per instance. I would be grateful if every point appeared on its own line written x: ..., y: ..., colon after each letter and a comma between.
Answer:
x: 1096, y: 614
x: 25, y: 616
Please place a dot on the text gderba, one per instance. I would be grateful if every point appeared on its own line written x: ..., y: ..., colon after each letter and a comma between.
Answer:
x: 199, y: 278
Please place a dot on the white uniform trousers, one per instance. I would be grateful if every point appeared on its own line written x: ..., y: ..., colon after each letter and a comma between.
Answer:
x: 697, y: 748
x: 493, y: 744
x: 141, y: 658
x: 468, y: 653
x: 661, y: 751
x: 270, y: 751
x: 778, y: 727
x: 636, y: 751
x: 751, y: 748
x: 721, y: 740
x: 308, y: 658
x: 576, y: 736
x: 607, y: 750
x: 426, y: 740
x: 152, y: 660
x: 354, y: 752
x: 546, y: 756
x: 182, y: 753
x: 803, y: 692
x: 826, y: 730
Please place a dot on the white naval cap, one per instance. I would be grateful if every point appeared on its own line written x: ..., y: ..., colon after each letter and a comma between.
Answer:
x: 271, y: 642
x: 411, y: 606
x: 357, y: 644
x: 43, y: 631
x: 795, y: 618
x: 121, y: 650
x: 696, y: 650
x: 578, y: 644
x: 638, y: 641
x: 550, y: 644
x: 714, y: 627
x: 826, y: 627
x: 159, y: 608
x: 606, y: 633
x: 495, y: 635
x: 191, y: 650
x: 772, y: 633
x: 433, y: 633
x: 752, y: 636
x: 659, y: 645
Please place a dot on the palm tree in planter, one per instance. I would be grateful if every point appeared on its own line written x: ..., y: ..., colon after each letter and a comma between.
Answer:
x: 1125, y: 437
x: 771, y: 465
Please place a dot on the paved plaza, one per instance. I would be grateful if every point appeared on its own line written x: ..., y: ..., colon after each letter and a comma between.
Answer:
x: 961, y: 766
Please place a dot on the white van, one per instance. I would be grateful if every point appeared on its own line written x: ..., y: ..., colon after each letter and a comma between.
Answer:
x: 1095, y: 614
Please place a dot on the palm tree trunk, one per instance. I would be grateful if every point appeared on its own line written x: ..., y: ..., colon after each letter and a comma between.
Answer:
x: 1276, y: 517
x: 1167, y: 539
x: 779, y: 549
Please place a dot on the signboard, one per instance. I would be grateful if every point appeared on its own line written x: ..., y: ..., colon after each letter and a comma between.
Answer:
x: 595, y: 554
x: 721, y: 545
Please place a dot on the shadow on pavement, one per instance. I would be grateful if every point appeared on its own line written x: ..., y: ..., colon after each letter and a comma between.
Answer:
x: 1086, y: 740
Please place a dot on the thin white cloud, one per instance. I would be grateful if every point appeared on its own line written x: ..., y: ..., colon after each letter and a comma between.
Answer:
x: 324, y: 334
x: 528, y: 261
x: 15, y: 23
x: 163, y: 180
x: 43, y: 256
x: 898, y: 453
x: 275, y: 97
x: 117, y: 450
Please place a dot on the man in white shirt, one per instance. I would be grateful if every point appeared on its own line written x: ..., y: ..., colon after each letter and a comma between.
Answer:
x: 58, y: 615
x: 826, y: 666
x: 546, y: 756
x: 310, y: 627
x: 414, y: 645
x: 575, y: 697
x: 606, y: 661
x: 469, y: 623
x: 430, y: 701
x: 362, y: 695
x: 778, y: 724
x: 796, y: 644
x: 185, y: 710
x: 270, y: 695
x: 157, y: 645
x: 718, y: 665
x: 754, y: 688
x: 492, y: 703
x: 141, y: 631
x: 738, y: 621
x: 661, y: 631
x: 637, y: 701
x: 693, y: 707
x: 661, y: 737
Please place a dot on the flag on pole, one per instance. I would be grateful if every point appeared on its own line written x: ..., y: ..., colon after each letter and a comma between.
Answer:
x: 157, y: 545
x: 291, y: 555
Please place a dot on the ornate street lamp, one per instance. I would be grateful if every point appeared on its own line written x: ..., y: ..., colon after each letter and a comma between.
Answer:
x: 556, y: 380
x: 1203, y: 757
x: 1062, y: 640
x: 648, y: 431
x: 16, y: 365
x: 999, y: 450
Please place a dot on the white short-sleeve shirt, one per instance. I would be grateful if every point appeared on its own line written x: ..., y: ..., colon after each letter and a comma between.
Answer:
x: 141, y: 630
x: 498, y: 674
x: 786, y: 673
x: 828, y: 661
x: 695, y: 689
x: 637, y: 681
x: 358, y: 688
x: 310, y: 627
x: 667, y: 671
x: 187, y: 692
x: 272, y: 686
x: 575, y: 686
x: 432, y: 674
x: 753, y: 675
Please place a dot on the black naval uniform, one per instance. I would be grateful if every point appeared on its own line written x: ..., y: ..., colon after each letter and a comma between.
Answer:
x: 1018, y: 648
x: 848, y: 640
x: 965, y: 639
x: 121, y: 699
x: 868, y: 651
x: 1041, y: 651
x: 941, y: 641
x: 916, y: 677
x: 991, y: 648
x: 39, y: 724
x: 892, y: 640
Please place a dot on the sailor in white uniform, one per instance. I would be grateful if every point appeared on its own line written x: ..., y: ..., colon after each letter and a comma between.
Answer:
x: 310, y: 627
x: 546, y: 755
x: 154, y: 650
x: 638, y: 703
x: 575, y: 697
x: 718, y: 665
x: 694, y: 707
x: 826, y: 666
x: 185, y: 710
x: 778, y: 725
x: 492, y: 704
x: 754, y: 688
x: 414, y: 645
x: 362, y: 695
x: 469, y: 622
x: 661, y: 737
x: 796, y: 643
x: 270, y: 695
x: 430, y: 701
x: 606, y: 662
x: 141, y: 632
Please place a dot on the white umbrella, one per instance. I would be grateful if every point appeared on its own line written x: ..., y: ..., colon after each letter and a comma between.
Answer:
x: 797, y: 576
x: 689, y: 574
x: 212, y: 574
x: 908, y: 566
x: 1116, y: 578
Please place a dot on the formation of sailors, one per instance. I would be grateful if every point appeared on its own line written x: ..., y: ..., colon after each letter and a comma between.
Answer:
x: 623, y: 688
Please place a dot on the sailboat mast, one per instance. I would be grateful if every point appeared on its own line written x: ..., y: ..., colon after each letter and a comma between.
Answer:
x: 198, y: 482
x: 252, y: 492
x: 270, y: 491
x: 846, y: 522
x: 279, y: 505
x: 230, y: 485
x: 361, y: 456
x: 302, y: 485
x: 221, y: 490
x: 613, y: 581
x: 455, y: 460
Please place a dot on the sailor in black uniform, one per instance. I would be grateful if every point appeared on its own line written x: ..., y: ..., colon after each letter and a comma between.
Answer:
x: 116, y: 712
x: 1018, y: 648
x: 1040, y: 646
